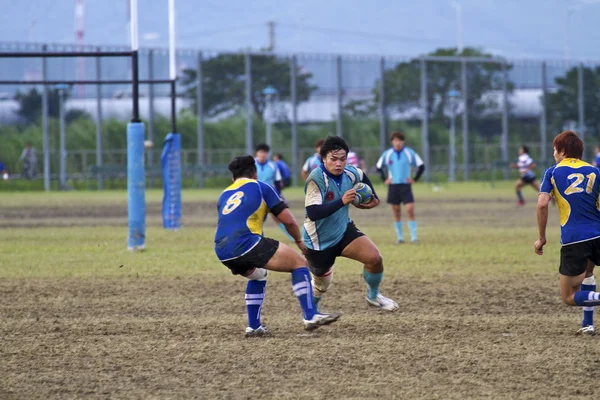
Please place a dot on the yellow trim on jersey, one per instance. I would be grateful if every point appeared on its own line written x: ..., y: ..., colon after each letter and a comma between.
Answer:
x: 239, y: 183
x: 572, y: 163
x: 564, y: 208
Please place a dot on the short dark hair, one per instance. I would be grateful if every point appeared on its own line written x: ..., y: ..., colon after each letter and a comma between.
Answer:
x: 279, y: 155
x: 569, y: 143
x: 319, y: 143
x: 242, y: 167
x: 525, y: 149
x: 262, y: 147
x: 333, y: 143
x: 397, y: 135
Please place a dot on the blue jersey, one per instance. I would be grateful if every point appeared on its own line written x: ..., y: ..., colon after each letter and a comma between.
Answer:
x: 312, y: 163
x: 399, y: 163
x: 243, y: 207
x: 574, y: 184
x: 321, y: 187
x: 597, y: 160
x: 284, y: 169
x: 268, y: 172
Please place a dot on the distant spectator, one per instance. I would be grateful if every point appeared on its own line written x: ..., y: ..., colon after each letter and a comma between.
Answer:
x: 596, y: 161
x: 284, y: 170
x: 29, y: 159
x: 3, y: 171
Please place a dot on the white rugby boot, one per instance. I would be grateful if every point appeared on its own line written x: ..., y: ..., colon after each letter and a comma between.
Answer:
x: 320, y: 319
x: 586, y: 331
x: 261, y: 331
x: 383, y: 303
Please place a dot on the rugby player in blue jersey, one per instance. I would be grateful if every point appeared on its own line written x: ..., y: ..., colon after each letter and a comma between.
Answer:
x: 241, y: 247
x: 329, y: 232
x: 398, y: 162
x: 575, y: 186
x: 313, y: 161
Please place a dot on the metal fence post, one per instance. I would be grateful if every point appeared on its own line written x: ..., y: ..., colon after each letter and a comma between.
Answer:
x: 45, y: 127
x: 62, y: 141
x: 339, y: 131
x: 544, y: 119
x: 465, y: 119
x: 200, y: 113
x: 425, y: 119
x: 382, y: 108
x: 151, y: 110
x: 580, y: 105
x: 294, y: 93
x: 249, y: 112
x: 504, y: 139
x: 99, y: 130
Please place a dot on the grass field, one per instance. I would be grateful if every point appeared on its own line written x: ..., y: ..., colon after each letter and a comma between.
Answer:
x: 480, y: 313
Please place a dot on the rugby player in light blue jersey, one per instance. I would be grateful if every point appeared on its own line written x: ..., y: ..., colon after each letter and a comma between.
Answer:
x: 526, y: 165
x: 329, y: 232
x: 241, y: 247
x: 398, y: 162
x: 313, y: 161
x: 575, y: 186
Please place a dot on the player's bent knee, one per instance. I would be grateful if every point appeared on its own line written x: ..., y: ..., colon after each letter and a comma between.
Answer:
x: 322, y: 283
x: 259, y: 274
x: 375, y: 259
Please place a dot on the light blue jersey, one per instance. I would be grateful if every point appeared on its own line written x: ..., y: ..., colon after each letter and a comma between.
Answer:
x: 268, y: 172
x: 312, y: 163
x: 321, y: 187
x: 399, y: 163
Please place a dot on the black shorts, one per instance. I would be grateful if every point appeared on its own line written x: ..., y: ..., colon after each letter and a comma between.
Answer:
x: 258, y: 257
x: 287, y: 182
x: 400, y: 193
x: 321, y: 261
x: 528, y: 179
x: 574, y: 257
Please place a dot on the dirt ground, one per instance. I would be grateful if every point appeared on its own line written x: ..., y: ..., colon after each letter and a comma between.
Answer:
x: 454, y: 337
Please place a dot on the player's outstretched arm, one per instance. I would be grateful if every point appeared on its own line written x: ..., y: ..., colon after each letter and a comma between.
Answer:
x: 291, y: 226
x: 542, y: 218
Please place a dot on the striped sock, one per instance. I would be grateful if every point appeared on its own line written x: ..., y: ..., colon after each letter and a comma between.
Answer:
x: 303, y: 291
x: 255, y: 295
x: 584, y: 295
x: 588, y: 284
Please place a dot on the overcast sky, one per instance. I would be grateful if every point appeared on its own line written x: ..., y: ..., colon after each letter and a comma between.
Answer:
x: 514, y: 28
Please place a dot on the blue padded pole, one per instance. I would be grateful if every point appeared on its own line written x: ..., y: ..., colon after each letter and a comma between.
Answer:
x: 136, y: 187
x: 171, y: 174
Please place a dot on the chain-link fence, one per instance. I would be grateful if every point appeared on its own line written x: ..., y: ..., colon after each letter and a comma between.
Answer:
x: 466, y: 116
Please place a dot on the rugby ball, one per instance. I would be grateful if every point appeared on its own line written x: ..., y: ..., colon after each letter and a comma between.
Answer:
x: 363, y: 194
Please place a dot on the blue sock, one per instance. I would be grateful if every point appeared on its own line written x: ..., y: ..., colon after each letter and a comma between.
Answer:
x: 412, y: 227
x: 373, y: 281
x: 303, y: 291
x: 584, y: 295
x: 588, y: 312
x: 282, y: 227
x: 399, y: 233
x: 520, y: 196
x: 255, y: 295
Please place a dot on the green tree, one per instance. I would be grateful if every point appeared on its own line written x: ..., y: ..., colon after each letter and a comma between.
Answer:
x: 562, y: 105
x: 403, y: 83
x: 224, y: 83
x: 30, y: 104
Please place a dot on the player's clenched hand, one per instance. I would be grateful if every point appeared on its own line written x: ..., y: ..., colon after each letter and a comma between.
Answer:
x: 302, y: 247
x: 348, y: 197
x: 410, y: 180
x: 373, y: 203
x: 388, y: 181
x: 538, y: 246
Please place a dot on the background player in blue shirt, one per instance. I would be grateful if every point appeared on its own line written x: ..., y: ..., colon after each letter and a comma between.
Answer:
x: 241, y: 247
x: 596, y: 161
x: 284, y: 170
x: 398, y: 162
x: 575, y: 186
x: 328, y: 230
x: 313, y: 161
